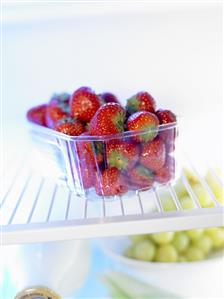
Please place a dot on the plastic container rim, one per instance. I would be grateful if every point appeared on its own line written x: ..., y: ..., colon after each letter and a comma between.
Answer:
x: 51, y: 132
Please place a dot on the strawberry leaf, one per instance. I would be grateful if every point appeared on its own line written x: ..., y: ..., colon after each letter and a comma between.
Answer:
x: 144, y: 172
x: 150, y: 134
x: 132, y: 105
x: 117, y: 160
x: 118, y: 121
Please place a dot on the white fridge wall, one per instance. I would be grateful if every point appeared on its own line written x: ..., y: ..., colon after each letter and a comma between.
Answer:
x: 173, y: 51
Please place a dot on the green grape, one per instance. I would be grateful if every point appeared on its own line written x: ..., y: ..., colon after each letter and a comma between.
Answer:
x: 128, y: 252
x: 144, y: 250
x: 217, y: 236
x: 217, y: 189
x: 182, y: 258
x: 211, y: 230
x: 195, y: 234
x: 180, y: 189
x: 204, y: 243
x: 162, y: 238
x: 168, y: 204
x: 186, y: 203
x: 191, y: 177
x: 166, y: 254
x: 203, y: 196
x: 193, y: 253
x: 138, y: 238
x: 181, y: 241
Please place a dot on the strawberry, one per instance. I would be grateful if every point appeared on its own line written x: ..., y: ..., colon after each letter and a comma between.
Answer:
x: 69, y: 126
x: 165, y: 116
x: 88, y: 151
x: 140, y: 177
x: 153, y: 154
x: 167, y: 134
x: 87, y: 162
x: 57, y: 108
x: 111, y: 182
x: 166, y: 173
x: 109, y: 119
x: 83, y: 104
x: 98, y: 149
x: 146, y: 121
x: 37, y: 115
x: 142, y: 101
x: 170, y: 145
x: 87, y: 173
x: 108, y: 97
x: 122, y: 154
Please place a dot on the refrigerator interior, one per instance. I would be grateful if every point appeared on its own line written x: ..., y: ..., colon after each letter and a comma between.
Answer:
x: 172, y: 50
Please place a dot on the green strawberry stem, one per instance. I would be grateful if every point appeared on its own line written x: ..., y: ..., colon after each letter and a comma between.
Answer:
x: 98, y: 145
x: 118, y: 121
x: 117, y: 160
x: 151, y: 132
x: 132, y: 105
x: 67, y: 119
x: 61, y: 96
x: 144, y: 172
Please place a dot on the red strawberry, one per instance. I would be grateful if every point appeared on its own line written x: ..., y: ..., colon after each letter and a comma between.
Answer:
x: 165, y: 116
x: 166, y: 173
x: 83, y: 104
x: 168, y: 134
x: 146, y: 121
x: 87, y: 173
x: 58, y: 108
x: 142, y: 101
x: 108, y: 97
x: 69, y: 126
x: 88, y: 151
x: 122, y: 154
x: 37, y: 115
x: 87, y: 162
x: 153, y: 155
x: 111, y: 182
x: 98, y: 149
x: 170, y: 145
x: 140, y: 177
x: 87, y: 127
x: 108, y: 120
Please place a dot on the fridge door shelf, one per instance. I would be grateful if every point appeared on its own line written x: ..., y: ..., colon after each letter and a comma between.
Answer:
x: 36, y: 209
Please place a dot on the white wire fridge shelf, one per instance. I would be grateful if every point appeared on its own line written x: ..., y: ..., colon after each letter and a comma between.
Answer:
x: 35, y: 209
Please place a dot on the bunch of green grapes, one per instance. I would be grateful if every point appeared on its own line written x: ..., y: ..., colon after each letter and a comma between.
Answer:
x: 201, y: 194
x: 182, y: 246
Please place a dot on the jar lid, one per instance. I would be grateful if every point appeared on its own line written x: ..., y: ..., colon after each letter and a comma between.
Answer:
x: 37, y: 293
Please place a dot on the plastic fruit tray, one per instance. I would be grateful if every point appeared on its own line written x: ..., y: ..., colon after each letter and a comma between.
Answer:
x: 83, y: 172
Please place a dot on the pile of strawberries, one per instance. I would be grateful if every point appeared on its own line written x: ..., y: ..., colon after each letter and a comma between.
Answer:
x: 130, y: 161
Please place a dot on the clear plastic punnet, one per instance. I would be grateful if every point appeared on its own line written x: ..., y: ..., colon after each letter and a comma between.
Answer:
x: 96, y: 167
